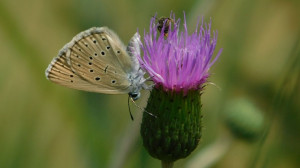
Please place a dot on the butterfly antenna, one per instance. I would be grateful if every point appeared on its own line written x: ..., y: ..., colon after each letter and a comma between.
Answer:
x: 131, y: 116
x: 218, y: 87
x: 142, y: 108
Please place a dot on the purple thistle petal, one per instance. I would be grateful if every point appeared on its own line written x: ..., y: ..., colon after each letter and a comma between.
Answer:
x: 180, y: 61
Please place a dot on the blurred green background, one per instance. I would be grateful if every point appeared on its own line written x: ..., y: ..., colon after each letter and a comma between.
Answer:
x: 43, y: 125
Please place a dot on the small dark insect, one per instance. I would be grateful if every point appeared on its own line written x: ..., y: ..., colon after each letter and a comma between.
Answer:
x: 160, y: 24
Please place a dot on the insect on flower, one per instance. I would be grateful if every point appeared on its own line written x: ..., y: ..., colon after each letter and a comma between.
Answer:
x: 164, y: 23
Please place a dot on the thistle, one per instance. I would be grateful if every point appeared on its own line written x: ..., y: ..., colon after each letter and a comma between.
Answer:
x: 178, y: 65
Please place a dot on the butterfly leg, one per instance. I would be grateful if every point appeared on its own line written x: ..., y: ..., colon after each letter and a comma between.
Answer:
x: 142, y: 108
x: 131, y: 116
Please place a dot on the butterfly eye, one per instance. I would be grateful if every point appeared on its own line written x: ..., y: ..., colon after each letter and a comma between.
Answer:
x: 135, y: 96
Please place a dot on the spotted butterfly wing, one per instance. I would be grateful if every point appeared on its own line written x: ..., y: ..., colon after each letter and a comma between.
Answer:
x: 96, y: 60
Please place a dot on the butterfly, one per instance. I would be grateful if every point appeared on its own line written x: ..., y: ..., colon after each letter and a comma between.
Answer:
x: 96, y: 60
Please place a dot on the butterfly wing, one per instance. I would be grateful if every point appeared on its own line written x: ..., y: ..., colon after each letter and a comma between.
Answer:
x: 133, y: 50
x: 95, y: 60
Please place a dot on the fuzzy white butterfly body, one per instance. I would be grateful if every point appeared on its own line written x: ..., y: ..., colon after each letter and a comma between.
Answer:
x: 97, y: 61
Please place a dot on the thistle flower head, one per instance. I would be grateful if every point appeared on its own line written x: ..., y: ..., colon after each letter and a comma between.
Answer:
x: 178, y: 61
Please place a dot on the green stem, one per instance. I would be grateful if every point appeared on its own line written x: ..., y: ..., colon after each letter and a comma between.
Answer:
x: 167, y: 164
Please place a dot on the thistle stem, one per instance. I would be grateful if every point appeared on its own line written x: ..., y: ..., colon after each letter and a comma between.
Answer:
x: 167, y: 164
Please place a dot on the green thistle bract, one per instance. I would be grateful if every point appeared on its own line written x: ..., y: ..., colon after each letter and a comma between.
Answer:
x: 176, y: 131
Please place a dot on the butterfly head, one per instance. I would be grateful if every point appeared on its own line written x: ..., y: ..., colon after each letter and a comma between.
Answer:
x: 136, y: 86
x: 137, y: 81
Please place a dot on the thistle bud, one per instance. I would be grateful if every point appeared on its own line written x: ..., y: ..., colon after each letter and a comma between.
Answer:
x: 244, y: 119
